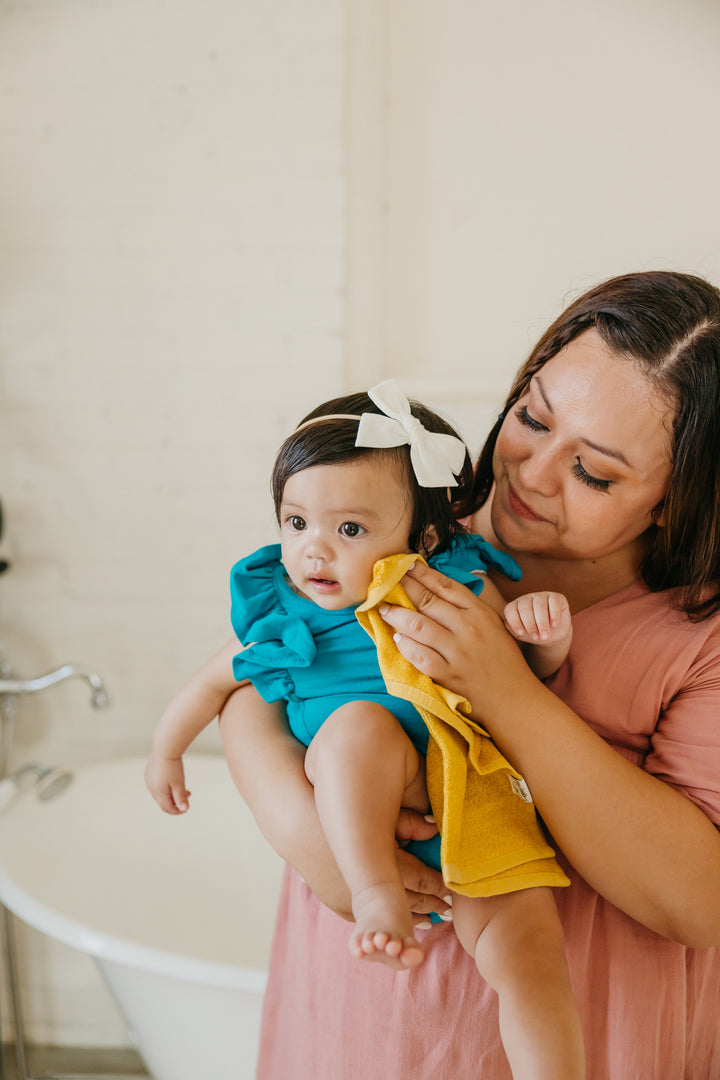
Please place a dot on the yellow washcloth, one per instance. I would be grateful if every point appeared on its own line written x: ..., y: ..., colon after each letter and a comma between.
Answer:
x: 491, y: 841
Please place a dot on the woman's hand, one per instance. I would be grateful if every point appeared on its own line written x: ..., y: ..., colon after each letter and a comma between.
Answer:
x: 635, y: 839
x: 425, y: 888
x: 456, y: 639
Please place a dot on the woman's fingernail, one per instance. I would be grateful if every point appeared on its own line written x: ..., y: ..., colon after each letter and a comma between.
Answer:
x: 423, y: 925
x: 448, y: 900
x: 446, y: 916
x: 397, y: 638
x: 429, y: 817
x: 383, y: 609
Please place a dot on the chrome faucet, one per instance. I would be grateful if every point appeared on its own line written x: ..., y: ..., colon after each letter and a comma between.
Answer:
x: 98, y: 697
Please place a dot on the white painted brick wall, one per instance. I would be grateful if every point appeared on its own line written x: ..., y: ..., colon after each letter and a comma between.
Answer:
x: 171, y: 292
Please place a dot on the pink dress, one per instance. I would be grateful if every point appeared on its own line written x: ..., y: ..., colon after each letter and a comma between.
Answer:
x: 648, y: 681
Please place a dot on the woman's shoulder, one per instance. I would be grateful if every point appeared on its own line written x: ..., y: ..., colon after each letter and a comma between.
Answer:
x: 663, y: 683
x: 637, y: 628
x: 637, y: 663
x: 658, y: 613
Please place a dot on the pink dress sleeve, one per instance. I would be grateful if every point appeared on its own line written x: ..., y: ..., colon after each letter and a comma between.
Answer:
x: 685, y: 747
x: 648, y: 681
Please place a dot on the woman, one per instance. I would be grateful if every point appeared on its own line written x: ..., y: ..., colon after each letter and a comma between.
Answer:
x: 602, y: 479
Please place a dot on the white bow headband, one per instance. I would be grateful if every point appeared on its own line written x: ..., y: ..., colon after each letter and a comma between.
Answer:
x: 435, y: 457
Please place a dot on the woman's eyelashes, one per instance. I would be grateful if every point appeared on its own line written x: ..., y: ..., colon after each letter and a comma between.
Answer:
x: 578, y: 469
x: 529, y: 421
x: 590, y: 481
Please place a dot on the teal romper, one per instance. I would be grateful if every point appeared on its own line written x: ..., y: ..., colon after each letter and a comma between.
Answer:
x: 317, y: 660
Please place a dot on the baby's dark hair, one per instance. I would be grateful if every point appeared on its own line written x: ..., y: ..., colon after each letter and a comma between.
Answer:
x: 332, y: 442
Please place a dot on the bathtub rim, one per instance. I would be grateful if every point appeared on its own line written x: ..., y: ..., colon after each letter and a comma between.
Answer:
x: 114, y: 948
x: 103, y: 946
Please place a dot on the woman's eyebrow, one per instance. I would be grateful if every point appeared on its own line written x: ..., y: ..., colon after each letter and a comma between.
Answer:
x: 616, y: 455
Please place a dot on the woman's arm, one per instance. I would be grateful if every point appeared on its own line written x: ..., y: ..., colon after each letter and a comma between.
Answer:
x: 636, y: 840
x: 267, y: 765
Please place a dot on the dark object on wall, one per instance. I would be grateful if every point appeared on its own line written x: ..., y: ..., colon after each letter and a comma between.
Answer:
x: 4, y: 564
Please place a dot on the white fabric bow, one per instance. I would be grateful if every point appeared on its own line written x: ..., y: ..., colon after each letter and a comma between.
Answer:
x: 435, y: 457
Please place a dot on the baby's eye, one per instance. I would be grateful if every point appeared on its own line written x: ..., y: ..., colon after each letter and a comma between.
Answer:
x: 352, y: 529
x: 296, y: 523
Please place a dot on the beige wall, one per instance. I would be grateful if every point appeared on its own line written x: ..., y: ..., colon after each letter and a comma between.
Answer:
x: 214, y: 214
x: 524, y: 151
x: 171, y: 274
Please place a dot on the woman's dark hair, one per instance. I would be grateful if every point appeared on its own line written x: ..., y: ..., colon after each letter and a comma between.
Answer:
x: 332, y: 442
x: 669, y: 325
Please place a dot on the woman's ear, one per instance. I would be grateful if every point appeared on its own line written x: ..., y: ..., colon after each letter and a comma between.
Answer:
x: 658, y: 515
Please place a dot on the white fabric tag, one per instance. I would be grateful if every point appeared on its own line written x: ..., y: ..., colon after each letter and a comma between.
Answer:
x: 520, y: 788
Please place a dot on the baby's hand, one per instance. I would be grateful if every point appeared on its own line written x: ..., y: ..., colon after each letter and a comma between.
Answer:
x: 541, y: 618
x: 165, y: 778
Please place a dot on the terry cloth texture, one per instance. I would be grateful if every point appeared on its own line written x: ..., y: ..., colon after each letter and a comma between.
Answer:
x: 491, y: 840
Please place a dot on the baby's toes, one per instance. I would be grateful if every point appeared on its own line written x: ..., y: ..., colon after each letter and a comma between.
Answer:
x: 375, y: 941
x: 393, y: 946
x: 355, y: 946
x: 411, y: 953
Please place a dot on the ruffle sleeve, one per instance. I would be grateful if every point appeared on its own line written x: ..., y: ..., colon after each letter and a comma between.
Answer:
x: 470, y: 552
x: 275, y: 640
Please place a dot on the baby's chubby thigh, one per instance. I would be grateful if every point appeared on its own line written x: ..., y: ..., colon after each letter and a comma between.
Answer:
x: 365, y: 738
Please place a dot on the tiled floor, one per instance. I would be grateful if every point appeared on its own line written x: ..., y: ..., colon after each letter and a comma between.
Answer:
x: 80, y: 1062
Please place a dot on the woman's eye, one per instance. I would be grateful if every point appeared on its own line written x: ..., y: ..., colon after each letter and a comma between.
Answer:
x: 352, y: 529
x: 529, y: 421
x: 589, y: 480
x: 296, y: 523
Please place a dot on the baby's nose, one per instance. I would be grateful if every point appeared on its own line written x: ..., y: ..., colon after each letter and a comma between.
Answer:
x: 317, y: 548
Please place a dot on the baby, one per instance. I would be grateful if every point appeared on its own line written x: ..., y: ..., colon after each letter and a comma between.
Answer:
x: 363, y: 478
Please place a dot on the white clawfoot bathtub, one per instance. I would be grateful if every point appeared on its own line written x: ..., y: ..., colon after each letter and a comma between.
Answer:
x: 177, y: 911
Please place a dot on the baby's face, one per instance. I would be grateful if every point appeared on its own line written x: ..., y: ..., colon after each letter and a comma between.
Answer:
x: 336, y: 521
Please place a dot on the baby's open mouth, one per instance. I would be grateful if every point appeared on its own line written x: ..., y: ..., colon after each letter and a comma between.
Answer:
x: 323, y: 585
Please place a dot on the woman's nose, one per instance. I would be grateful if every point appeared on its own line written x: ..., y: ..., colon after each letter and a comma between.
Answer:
x: 538, y: 472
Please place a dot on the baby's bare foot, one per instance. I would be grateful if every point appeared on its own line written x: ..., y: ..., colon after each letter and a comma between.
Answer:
x: 384, y: 928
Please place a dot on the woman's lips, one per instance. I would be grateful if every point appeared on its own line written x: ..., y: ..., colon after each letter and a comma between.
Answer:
x: 520, y: 508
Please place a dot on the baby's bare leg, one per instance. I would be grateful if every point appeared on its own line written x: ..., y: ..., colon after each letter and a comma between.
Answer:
x: 364, y: 768
x: 518, y: 946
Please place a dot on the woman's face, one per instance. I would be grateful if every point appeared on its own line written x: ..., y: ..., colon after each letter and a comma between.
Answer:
x: 583, y: 457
